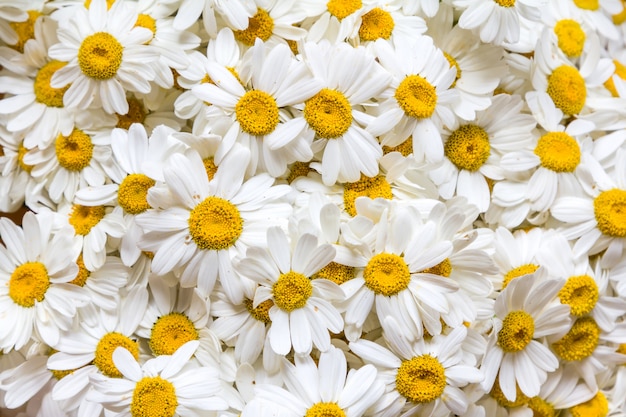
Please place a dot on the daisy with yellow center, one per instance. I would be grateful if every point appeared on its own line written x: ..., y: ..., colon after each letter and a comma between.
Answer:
x: 333, y: 20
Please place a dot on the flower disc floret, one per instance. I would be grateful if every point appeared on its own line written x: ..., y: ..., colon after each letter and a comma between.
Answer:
x: 598, y: 406
x: 541, y: 408
x: 148, y: 22
x: 136, y: 114
x: 260, y: 312
x: 518, y: 272
x: 570, y: 37
x: 84, y: 218
x: 260, y: 26
x: 325, y: 410
x: 372, y: 187
x: 133, y: 192
x: 291, y: 291
x: 497, y: 394
x: 25, y: 30
x: 74, y: 152
x: 51, y: 97
x: 505, y: 3
x: 343, y: 8
x: 170, y: 332
x: 417, y: 97
x: 215, y: 224
x: 210, y: 167
x: 83, y: 273
x: 103, y: 358
x: 257, y: 113
x: 21, y: 151
x: 620, y: 71
x: 518, y: 328
x: 154, y: 397
x: 580, y: 342
x: 567, y: 89
x: 376, y: 24
x: 28, y: 284
x: 443, y: 269
x: 587, y: 4
x: 580, y: 293
x: 421, y: 379
x: 387, y: 274
x: 558, y: 152
x: 100, y: 56
x: 337, y: 273
x: 329, y: 113
x: 610, y: 211
x: 468, y: 147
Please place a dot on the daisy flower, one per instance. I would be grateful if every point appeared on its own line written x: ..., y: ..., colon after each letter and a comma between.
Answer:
x: 202, y: 225
x: 420, y: 98
x: 597, y: 16
x: 526, y: 312
x: 303, y: 310
x: 422, y: 376
x: 36, y: 299
x: 167, y: 386
x: 332, y: 20
x: 324, y: 389
x: 106, y: 56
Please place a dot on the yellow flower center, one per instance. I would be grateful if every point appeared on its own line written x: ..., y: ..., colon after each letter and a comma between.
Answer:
x: 215, y: 224
x: 580, y: 342
x: 171, y: 332
x: 21, y: 151
x: 468, y: 147
x: 620, y: 71
x: 58, y: 374
x: 298, y: 169
x: 570, y: 36
x: 417, y: 97
x: 443, y: 268
x: 518, y: 328
x: 104, y: 352
x: 453, y: 64
x: 257, y: 113
x: 84, y: 218
x: 587, y: 4
x: 375, y: 24
x: 541, y: 408
x: 337, y: 273
x: 154, y: 397
x: 558, y: 152
x: 598, y: 406
x: 610, y: 211
x: 25, y: 30
x: 51, y: 97
x: 421, y: 379
x: 100, y: 56
x: 567, y: 89
x: 343, y: 8
x: 148, y: 22
x: 329, y: 113
x: 325, y: 410
x: 372, y: 187
x: 260, y: 26
x: 260, y: 312
x: 497, y: 394
x: 505, y: 3
x: 83, y: 273
x: 29, y: 283
x: 405, y: 148
x: 132, y: 193
x: 74, y: 152
x: 136, y: 114
x: 291, y: 291
x: 518, y: 272
x: 620, y: 18
x: 581, y: 293
x: 387, y: 274
x: 210, y: 167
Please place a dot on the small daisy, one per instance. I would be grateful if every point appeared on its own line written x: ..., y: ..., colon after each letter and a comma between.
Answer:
x: 303, y: 310
x: 598, y: 16
x: 105, y: 55
x: 567, y: 29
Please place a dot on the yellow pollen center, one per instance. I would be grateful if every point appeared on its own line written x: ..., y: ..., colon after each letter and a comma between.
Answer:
x: 518, y: 328
x: 298, y: 169
x: 215, y: 224
x: 25, y: 30
x: 570, y: 36
x: 518, y: 272
x: 51, y: 97
x: 21, y: 151
x: 505, y: 3
x: 621, y: 349
x: 257, y: 113
x: 260, y: 26
x: 468, y: 147
x: 100, y: 56
x: 453, y: 64
x: 74, y: 152
x: 580, y: 293
x: 558, y: 152
x: 567, y: 89
x: 132, y: 193
x: 343, y: 8
x: 136, y: 114
x: 598, y: 406
x: 620, y: 18
x: 56, y: 373
x: 325, y: 410
x: 375, y: 24
x: 210, y: 167
x: 498, y: 395
x: 541, y: 408
x: 620, y: 71
x: 417, y: 97
x: 148, y: 22
x: 610, y: 211
x: 587, y: 4
x: 405, y: 148
x: 29, y: 283
x: 260, y: 312
x: 337, y: 273
x: 580, y: 342
x: 171, y: 332
x: 83, y: 273
x: 421, y: 379
x: 443, y: 269
x: 84, y: 218
x: 154, y: 397
x: 372, y: 187
x: 329, y: 113
x: 387, y: 274
x: 104, y: 352
x: 291, y: 291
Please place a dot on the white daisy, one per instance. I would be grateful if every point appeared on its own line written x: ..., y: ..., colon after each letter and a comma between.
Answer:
x: 332, y: 20
x: 597, y: 15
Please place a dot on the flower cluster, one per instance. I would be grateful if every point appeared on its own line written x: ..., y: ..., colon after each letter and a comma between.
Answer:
x: 311, y: 208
